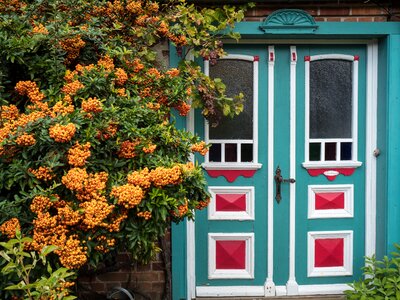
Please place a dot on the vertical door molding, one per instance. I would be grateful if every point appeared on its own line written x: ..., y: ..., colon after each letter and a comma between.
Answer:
x: 371, y: 145
x: 291, y: 285
x: 269, y: 283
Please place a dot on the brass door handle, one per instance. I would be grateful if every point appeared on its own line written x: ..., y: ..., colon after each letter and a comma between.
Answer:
x: 278, y: 180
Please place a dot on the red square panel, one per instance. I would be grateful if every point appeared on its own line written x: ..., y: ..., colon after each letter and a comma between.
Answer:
x: 333, y: 200
x: 230, y: 255
x: 230, y: 202
x: 329, y: 252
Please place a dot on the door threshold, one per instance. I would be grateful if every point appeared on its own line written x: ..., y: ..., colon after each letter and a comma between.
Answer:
x: 313, y: 297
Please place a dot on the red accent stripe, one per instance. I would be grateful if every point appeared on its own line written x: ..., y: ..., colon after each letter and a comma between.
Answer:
x: 231, y: 175
x: 256, y: 58
x: 294, y: 58
x: 307, y: 58
x: 271, y: 56
x: 356, y: 57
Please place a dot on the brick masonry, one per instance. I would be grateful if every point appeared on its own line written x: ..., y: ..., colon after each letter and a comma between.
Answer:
x: 148, y: 281
x: 333, y: 11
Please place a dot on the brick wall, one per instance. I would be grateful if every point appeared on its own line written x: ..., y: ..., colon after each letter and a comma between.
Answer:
x: 147, y: 282
x: 333, y: 11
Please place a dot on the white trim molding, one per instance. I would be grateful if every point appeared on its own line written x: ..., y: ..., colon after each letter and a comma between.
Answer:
x: 258, y: 291
x: 322, y: 162
x: 247, y: 272
x: 346, y: 212
x: 246, y: 191
x: 230, y: 291
x: 371, y: 146
x: 254, y: 141
x: 291, y: 285
x: 269, y: 285
x: 346, y: 269
x: 231, y: 166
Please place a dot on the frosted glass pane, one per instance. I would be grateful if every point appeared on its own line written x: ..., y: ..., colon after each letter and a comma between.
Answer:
x: 238, y: 77
x: 330, y: 98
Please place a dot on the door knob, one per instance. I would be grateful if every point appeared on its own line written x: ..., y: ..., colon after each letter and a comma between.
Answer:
x: 278, y: 180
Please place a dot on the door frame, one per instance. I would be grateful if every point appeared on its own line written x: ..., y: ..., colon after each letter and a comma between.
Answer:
x: 382, y: 36
x: 292, y: 288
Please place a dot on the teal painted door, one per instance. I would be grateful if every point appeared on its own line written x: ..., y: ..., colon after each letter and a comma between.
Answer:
x: 300, y: 231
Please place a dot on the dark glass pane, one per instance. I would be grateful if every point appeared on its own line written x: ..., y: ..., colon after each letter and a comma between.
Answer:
x: 231, y: 152
x: 238, y: 77
x: 247, y: 153
x: 215, y: 153
x: 330, y: 98
x: 315, y: 151
x: 345, y: 151
x: 330, y: 151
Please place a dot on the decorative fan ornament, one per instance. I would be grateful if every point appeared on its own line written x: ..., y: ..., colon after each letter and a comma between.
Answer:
x: 292, y: 21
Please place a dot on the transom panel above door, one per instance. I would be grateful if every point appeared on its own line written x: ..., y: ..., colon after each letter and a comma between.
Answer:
x: 287, y: 177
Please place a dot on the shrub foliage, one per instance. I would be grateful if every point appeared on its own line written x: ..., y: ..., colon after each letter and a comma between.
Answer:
x: 91, y: 159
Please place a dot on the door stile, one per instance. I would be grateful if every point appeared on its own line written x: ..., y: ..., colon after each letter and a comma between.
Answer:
x: 372, y: 152
x: 269, y: 283
x: 291, y: 285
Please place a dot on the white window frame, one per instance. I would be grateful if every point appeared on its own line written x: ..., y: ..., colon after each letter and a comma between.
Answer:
x: 238, y: 164
x: 322, y: 163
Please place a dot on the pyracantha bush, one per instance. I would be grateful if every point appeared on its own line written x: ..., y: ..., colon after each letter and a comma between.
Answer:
x: 91, y: 158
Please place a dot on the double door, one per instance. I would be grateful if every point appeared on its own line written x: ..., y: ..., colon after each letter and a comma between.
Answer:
x: 287, y: 176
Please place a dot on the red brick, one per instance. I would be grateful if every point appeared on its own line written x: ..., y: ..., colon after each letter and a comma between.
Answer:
x: 334, y: 11
x: 333, y: 19
x: 366, y: 11
x: 148, y: 276
x: 365, y: 19
x: 350, y: 19
x: 161, y: 276
x: 142, y: 287
x: 380, y: 19
x: 111, y: 285
x: 260, y: 12
x: 320, y: 19
x: 142, y: 268
x: 157, y: 266
x: 157, y: 287
x: 155, y: 296
x: 253, y: 19
x: 113, y: 277
x: 98, y: 287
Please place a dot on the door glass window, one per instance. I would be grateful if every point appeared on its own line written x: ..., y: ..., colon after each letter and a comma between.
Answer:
x: 233, y: 139
x: 330, y: 98
x: 332, y: 94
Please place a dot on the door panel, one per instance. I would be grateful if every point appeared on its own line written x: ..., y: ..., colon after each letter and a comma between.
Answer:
x: 322, y: 242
